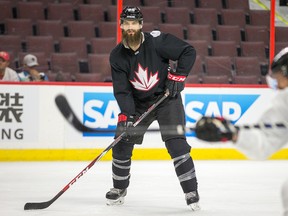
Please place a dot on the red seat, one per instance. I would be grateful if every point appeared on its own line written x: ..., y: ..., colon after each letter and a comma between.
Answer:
x: 179, y: 15
x: 103, y: 45
x: 249, y: 79
x: 199, y: 32
x: 172, y: 28
x: 60, y: 77
x: 224, y: 48
x: 6, y: 10
x: 45, y: 2
x: 112, y: 13
x: 247, y: 66
x: 74, y: 44
x: 84, y: 28
x: 236, y: 4
x: 30, y: 10
x: 216, y: 4
x: 63, y: 12
x: 205, y: 16
x: 99, y: 63
x: 104, y: 3
x: 193, y: 79
x: 132, y: 2
x: 40, y: 44
x: 183, y: 3
x: 50, y: 27
x: 148, y: 27
x: 280, y: 45
x: 260, y: 17
x: 233, y: 17
x: 11, y: 43
x: 88, y: 77
x: 220, y: 79
x: 218, y: 65
x: 197, y: 68
x: 91, y: 12
x: 257, y: 33
x: 250, y: 49
x: 107, y: 29
x: 229, y: 33
x: 152, y: 14
x: 201, y: 47
x: 281, y: 33
x: 161, y: 4
x: 65, y: 62
x: 21, y: 27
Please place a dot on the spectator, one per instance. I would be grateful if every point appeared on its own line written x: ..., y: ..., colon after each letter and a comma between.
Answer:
x: 30, y: 73
x: 6, y: 73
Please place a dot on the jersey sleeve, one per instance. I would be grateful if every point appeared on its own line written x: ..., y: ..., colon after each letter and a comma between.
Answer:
x: 260, y: 144
x: 122, y: 88
x: 173, y: 48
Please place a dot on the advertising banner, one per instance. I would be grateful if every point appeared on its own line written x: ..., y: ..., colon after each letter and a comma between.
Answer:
x: 30, y: 119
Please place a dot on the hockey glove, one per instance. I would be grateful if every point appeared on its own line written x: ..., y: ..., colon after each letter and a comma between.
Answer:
x: 125, y: 124
x: 215, y: 129
x: 175, y: 83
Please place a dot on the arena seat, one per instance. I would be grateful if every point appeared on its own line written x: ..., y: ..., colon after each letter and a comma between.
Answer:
x: 74, y: 44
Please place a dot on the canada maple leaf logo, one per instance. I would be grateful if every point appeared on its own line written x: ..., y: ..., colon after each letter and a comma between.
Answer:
x: 144, y: 81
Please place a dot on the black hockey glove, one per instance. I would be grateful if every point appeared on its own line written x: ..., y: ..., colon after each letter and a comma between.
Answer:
x: 214, y: 129
x: 125, y: 124
x: 175, y: 83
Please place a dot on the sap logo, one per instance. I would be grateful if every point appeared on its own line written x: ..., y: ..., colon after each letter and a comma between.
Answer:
x: 229, y: 106
x: 100, y: 110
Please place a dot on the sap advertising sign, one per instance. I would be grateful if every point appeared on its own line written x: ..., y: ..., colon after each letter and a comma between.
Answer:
x: 229, y: 106
x: 100, y: 110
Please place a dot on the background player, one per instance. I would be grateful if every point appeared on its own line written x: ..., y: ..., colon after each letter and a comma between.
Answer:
x: 255, y: 143
x: 140, y: 74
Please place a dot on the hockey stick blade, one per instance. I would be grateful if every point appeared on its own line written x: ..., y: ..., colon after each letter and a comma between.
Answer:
x: 66, y: 113
x: 71, y: 117
x: 42, y: 205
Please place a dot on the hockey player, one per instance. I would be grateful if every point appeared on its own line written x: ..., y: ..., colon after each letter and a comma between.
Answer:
x: 141, y: 74
x: 255, y: 143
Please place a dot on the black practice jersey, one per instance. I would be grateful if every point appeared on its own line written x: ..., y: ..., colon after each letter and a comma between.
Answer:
x: 139, y: 76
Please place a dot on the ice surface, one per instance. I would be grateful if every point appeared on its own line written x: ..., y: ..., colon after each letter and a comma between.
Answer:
x: 227, y: 188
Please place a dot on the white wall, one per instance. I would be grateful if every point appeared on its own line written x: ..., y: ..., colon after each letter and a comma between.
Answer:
x: 40, y: 125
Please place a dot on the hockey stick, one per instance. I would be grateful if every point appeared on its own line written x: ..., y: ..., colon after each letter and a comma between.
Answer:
x: 43, y: 205
x: 71, y: 117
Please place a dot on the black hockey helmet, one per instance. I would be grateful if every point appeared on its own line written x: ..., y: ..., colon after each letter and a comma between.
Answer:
x: 130, y: 12
x: 280, y: 62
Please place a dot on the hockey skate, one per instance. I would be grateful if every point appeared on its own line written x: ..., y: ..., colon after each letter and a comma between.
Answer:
x: 192, y: 199
x: 115, y: 196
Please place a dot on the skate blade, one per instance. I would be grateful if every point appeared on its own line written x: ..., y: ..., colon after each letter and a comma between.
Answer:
x: 119, y: 201
x: 195, y: 206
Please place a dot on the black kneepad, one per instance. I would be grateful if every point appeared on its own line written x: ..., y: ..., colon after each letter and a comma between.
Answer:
x: 122, y: 150
x: 177, y: 147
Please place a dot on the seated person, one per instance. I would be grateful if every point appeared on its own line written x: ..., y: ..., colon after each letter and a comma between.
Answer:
x: 6, y: 73
x: 30, y: 73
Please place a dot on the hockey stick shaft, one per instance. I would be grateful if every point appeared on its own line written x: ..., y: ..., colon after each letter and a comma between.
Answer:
x: 43, y: 205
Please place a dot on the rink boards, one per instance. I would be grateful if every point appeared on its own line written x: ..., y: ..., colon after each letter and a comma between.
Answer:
x: 33, y: 129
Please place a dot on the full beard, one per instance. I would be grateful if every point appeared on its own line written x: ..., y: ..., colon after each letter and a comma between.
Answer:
x: 131, y: 40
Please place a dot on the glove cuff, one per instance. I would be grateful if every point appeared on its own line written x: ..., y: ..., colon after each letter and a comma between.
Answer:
x: 176, y: 78
x: 122, y: 117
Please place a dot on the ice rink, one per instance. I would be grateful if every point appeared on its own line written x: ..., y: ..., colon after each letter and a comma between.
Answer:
x: 227, y: 188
